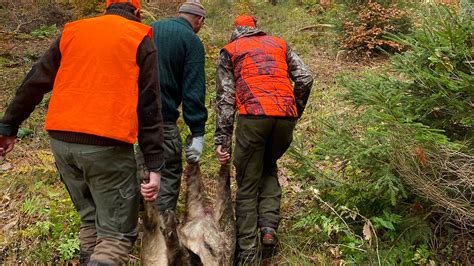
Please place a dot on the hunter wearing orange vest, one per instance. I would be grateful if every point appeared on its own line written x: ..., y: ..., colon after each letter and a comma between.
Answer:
x: 254, y: 76
x: 103, y: 76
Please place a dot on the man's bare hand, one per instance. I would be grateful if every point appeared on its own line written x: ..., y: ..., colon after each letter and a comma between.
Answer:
x: 150, y: 190
x: 6, y: 144
x: 222, y: 156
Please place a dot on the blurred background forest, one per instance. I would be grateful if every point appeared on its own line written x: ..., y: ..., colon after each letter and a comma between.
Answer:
x: 381, y: 169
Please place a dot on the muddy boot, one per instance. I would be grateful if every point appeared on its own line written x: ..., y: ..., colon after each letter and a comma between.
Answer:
x: 270, y: 254
x: 269, y: 237
x: 270, y: 244
x: 84, y: 258
x: 87, y: 237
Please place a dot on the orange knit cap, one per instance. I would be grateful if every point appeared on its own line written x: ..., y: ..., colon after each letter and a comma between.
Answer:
x: 135, y: 3
x: 245, y: 21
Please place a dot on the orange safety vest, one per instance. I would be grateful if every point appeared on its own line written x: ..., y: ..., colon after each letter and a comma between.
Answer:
x: 96, y: 88
x: 261, y: 76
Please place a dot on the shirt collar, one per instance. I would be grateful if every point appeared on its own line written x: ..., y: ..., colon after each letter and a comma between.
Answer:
x: 121, y: 12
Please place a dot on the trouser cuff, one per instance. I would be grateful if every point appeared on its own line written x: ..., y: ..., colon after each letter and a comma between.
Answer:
x: 263, y: 222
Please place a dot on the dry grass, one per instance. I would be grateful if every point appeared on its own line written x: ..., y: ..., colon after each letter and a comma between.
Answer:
x: 443, y: 176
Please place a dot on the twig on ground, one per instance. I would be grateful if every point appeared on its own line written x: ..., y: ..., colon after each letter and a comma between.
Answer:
x: 321, y: 26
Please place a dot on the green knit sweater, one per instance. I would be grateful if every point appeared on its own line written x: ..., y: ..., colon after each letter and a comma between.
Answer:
x: 182, y: 79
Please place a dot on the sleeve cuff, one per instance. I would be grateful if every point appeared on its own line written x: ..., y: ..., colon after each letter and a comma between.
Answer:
x: 8, y: 130
x: 197, y: 131
x: 223, y: 140
x: 154, y: 163
x: 156, y: 170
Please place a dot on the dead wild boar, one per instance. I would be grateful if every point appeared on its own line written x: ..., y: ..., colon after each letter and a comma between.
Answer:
x: 204, y: 238
x: 224, y: 214
x: 211, y: 236
x: 160, y: 241
x: 199, y: 233
x: 177, y: 253
x: 154, y: 251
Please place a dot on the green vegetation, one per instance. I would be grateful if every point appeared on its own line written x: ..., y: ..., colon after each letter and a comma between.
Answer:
x: 380, y: 170
x: 45, y: 31
x: 400, y: 152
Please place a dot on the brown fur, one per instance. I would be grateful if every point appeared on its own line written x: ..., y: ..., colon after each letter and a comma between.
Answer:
x: 211, y: 235
x: 205, y: 237
x: 199, y: 232
x: 154, y: 250
x: 177, y: 254
x: 224, y: 214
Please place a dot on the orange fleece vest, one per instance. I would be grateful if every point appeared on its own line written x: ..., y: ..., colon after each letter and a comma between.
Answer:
x: 261, y: 76
x: 96, y: 87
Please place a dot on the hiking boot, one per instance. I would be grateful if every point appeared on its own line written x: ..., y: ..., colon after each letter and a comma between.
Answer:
x: 268, y: 236
x: 84, y: 258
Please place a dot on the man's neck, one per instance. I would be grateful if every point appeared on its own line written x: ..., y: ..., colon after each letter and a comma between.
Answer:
x: 188, y: 19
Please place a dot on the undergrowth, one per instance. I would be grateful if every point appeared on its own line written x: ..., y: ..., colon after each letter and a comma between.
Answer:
x: 344, y: 201
x: 385, y: 176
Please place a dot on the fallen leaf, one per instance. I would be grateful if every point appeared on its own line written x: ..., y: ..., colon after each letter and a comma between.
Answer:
x: 296, y: 188
x: 315, y: 191
x: 335, y: 252
x: 6, y: 166
x: 6, y: 228
x: 283, y: 180
x: 367, y: 232
x: 353, y: 215
x: 421, y: 155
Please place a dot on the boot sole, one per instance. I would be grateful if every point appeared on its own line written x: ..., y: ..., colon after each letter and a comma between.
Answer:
x: 269, y: 242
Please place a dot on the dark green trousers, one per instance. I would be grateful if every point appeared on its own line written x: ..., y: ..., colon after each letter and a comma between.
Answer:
x: 171, y: 173
x: 260, y: 142
x: 101, y: 181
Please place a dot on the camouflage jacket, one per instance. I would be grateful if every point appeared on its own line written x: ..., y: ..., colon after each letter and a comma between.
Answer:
x: 225, y: 87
